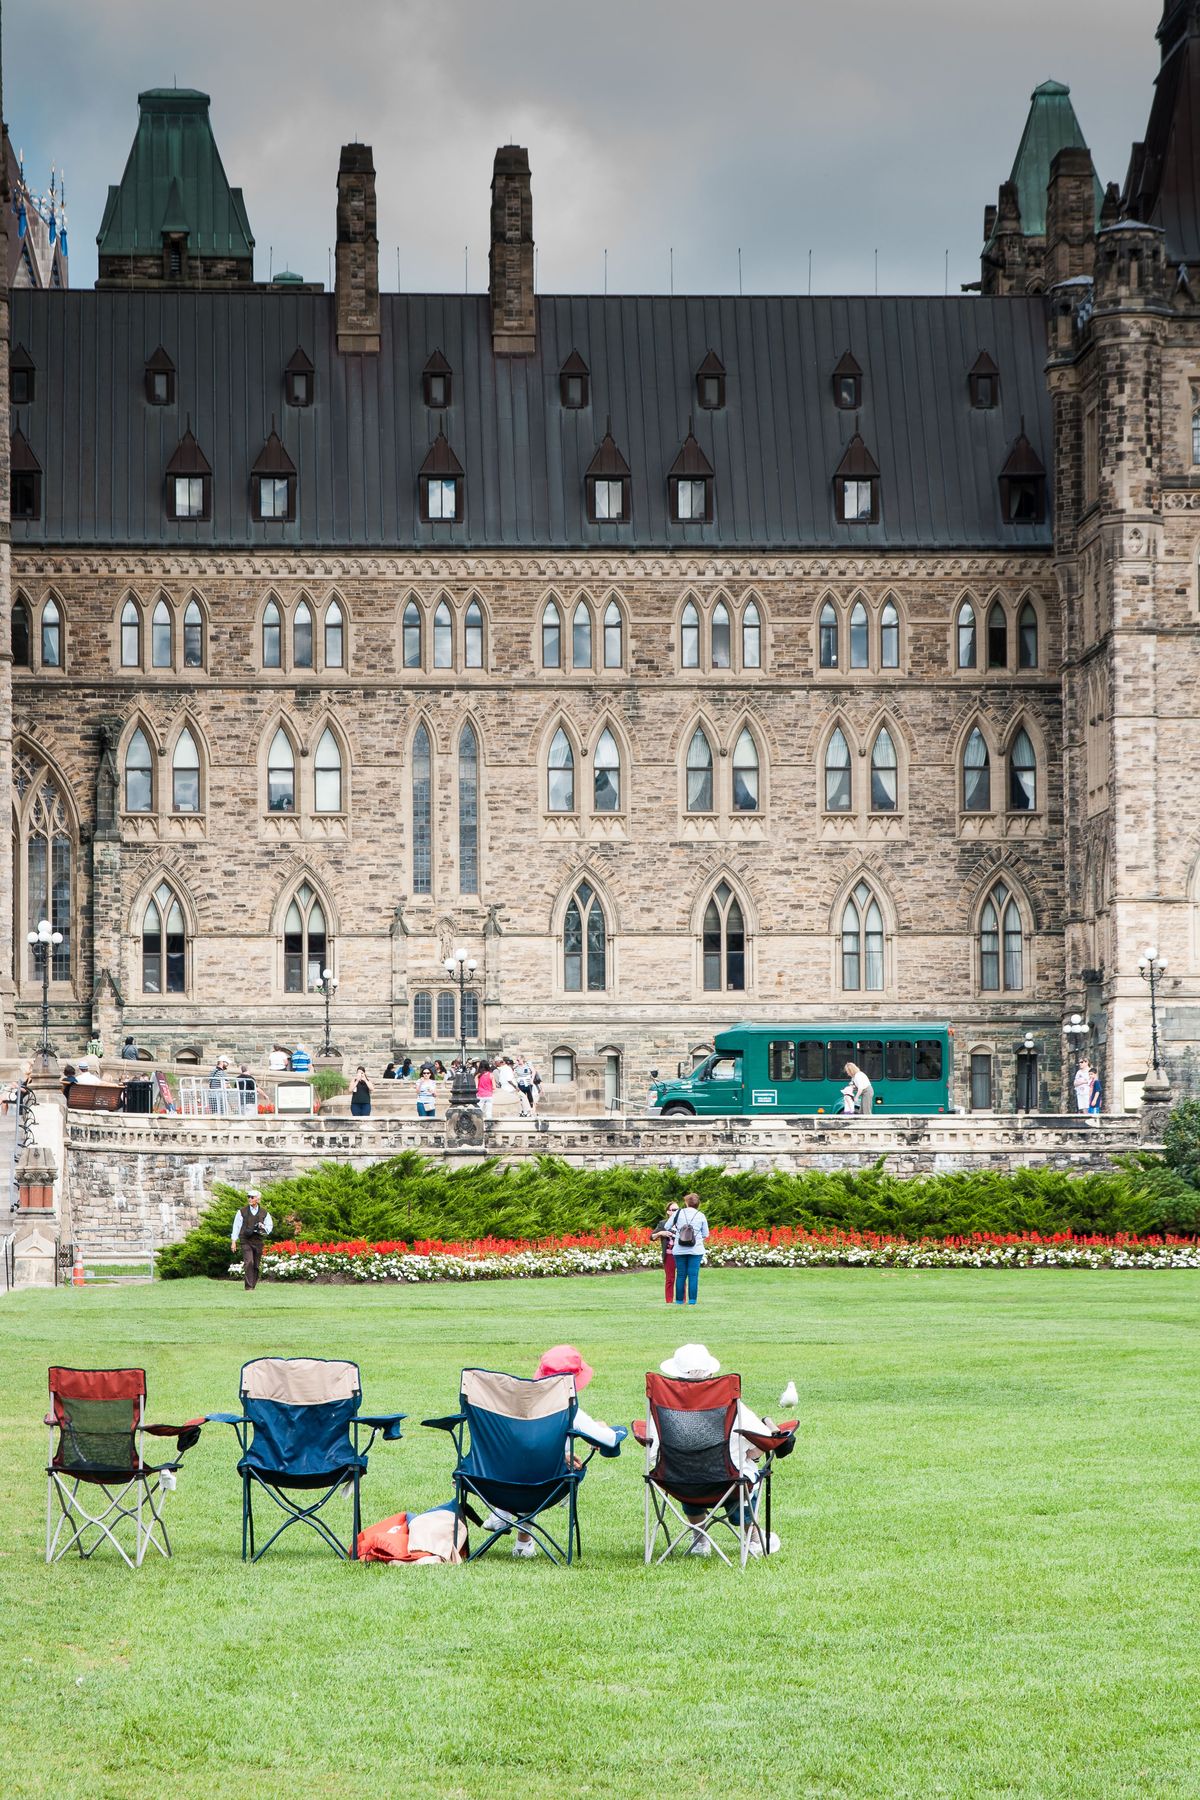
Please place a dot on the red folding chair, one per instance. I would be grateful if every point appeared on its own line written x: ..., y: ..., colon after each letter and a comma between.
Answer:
x: 99, y: 1416
x: 692, y: 1480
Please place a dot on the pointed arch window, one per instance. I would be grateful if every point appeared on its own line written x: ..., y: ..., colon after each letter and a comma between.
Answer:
x: 838, y: 791
x: 699, y: 773
x: 889, y: 637
x: 1001, y: 943
x: 977, y: 774
x: 327, y: 775
x: 422, y: 812
x: 281, y: 774
x: 160, y: 636
x: 305, y: 943
x: 131, y: 636
x: 22, y: 647
x: 829, y: 636
x: 1022, y: 775
x: 862, y: 942
x: 560, y: 775
x: 745, y: 773
x: 751, y: 638
x: 139, y: 775
x: 468, y: 811
x: 614, y: 648
x: 997, y: 636
x: 272, y: 636
x: 49, y: 872
x: 52, y: 656
x: 185, y: 774
x: 193, y: 636
x: 335, y: 636
x: 473, y: 637
x: 721, y: 645
x: 723, y: 946
x: 302, y: 636
x: 443, y: 637
x: 581, y: 637
x: 164, y: 944
x: 1027, y: 637
x: 585, y: 946
x: 689, y: 637
x: 606, y: 775
x: 551, y: 636
x: 860, y: 648
x: 884, y: 785
x: 412, y: 635
x: 967, y: 653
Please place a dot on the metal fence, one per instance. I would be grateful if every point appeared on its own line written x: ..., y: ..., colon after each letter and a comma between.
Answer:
x: 207, y: 1096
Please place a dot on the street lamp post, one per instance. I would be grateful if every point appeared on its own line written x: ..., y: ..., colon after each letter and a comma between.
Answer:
x: 1152, y: 967
x: 1076, y: 1030
x: 461, y: 969
x: 43, y: 942
x: 329, y: 984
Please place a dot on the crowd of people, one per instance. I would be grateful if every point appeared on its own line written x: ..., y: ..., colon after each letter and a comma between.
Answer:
x: 505, y: 1074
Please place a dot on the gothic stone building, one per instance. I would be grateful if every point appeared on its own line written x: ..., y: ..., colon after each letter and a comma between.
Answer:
x: 685, y: 659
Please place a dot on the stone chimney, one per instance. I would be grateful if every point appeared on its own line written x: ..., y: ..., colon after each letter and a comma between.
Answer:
x: 356, y: 277
x: 510, y: 264
x: 1070, y: 216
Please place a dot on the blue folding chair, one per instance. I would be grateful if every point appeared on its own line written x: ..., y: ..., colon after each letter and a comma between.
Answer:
x: 516, y: 1441
x: 299, y: 1432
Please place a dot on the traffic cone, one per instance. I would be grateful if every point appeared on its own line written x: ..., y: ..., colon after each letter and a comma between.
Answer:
x: 78, y: 1272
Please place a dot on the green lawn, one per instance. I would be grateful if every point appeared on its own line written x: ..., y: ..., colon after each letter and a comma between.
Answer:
x: 989, y: 1584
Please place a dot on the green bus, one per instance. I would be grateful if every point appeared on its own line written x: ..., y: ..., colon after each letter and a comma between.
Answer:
x: 800, y: 1069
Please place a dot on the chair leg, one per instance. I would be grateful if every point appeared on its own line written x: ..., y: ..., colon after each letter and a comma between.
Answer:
x: 357, y: 1521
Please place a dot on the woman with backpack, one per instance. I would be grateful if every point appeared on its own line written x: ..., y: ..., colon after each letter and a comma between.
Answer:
x: 689, y: 1229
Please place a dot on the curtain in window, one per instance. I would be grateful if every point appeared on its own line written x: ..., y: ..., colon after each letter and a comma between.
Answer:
x: 860, y: 649
x: 131, y: 636
x: 883, y: 773
x: 193, y: 636
x: 1022, y: 772
x: 1027, y: 637
x: 551, y: 636
x: 327, y: 775
x: 272, y: 635
x: 689, y: 638
x: 139, y: 775
x: 889, y: 637
x: 281, y: 774
x: 335, y: 636
x: 560, y: 775
x: 51, y: 636
x: 966, y: 636
x: 829, y: 636
x: 613, y: 633
x: 721, y: 656
x: 581, y: 637
x: 160, y: 636
x: 412, y: 635
x: 302, y: 636
x: 422, y: 813
x: 977, y: 774
x: 584, y: 942
x: 606, y: 775
x: 745, y: 774
x: 443, y: 637
x: 699, y: 773
x: 837, y: 774
x: 185, y: 774
x: 473, y: 637
x: 468, y: 812
x: 751, y: 638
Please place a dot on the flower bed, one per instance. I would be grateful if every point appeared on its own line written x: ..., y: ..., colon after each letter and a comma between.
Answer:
x: 609, y: 1252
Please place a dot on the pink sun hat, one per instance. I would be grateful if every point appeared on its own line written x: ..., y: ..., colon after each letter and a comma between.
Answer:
x: 564, y: 1359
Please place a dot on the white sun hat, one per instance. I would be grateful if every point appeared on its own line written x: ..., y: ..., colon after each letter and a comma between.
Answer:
x: 691, y: 1362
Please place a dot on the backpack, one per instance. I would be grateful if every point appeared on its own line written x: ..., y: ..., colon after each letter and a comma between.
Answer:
x: 685, y: 1231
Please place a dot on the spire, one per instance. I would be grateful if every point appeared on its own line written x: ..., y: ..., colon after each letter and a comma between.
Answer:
x: 1051, y: 126
x: 1163, y: 184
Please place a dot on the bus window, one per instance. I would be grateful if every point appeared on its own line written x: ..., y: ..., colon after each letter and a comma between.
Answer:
x: 899, y: 1061
x: 781, y: 1062
x: 929, y: 1059
x: 810, y: 1062
x: 841, y: 1051
x: 870, y: 1058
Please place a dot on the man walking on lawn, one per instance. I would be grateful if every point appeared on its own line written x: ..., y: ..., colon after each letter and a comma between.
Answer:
x: 251, y: 1224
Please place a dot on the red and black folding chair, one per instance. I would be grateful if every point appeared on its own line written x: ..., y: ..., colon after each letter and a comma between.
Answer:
x: 98, y: 1471
x: 693, y: 1484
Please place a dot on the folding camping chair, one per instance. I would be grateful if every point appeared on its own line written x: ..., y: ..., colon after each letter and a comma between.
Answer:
x: 521, y: 1457
x: 690, y: 1465
x: 100, y: 1418
x: 299, y: 1432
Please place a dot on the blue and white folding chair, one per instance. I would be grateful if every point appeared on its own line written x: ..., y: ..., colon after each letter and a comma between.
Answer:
x: 299, y: 1433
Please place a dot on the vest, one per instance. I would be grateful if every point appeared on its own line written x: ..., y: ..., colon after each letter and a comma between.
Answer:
x: 253, y: 1223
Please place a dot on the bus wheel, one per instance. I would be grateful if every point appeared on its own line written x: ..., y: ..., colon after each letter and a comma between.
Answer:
x: 678, y: 1112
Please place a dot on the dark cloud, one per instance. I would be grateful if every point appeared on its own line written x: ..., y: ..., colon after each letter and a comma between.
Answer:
x: 707, y: 127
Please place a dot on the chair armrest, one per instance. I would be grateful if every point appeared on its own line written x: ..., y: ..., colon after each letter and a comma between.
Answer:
x: 640, y: 1433
x: 611, y: 1449
x: 49, y: 1419
x: 447, y: 1423
x: 388, y: 1423
x: 771, y: 1443
x: 223, y: 1418
x: 175, y: 1430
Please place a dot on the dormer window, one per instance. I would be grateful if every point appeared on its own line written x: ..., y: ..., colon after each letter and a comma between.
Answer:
x: 25, y: 480
x: 983, y: 379
x: 273, y: 483
x: 710, y: 383
x: 574, y: 382
x: 1023, y: 484
x: 189, y: 481
x: 435, y: 378
x: 22, y: 377
x: 690, y: 484
x: 440, y: 484
x: 856, y: 485
x: 160, y: 379
x: 607, y: 484
x: 847, y: 384
x: 298, y: 379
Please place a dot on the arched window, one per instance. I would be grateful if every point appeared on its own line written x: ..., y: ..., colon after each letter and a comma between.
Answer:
x: 305, y: 944
x: 22, y: 651
x: 139, y: 775
x: 724, y: 943
x: 327, y: 775
x: 862, y: 942
x: 443, y: 637
x: 581, y: 637
x: 48, y: 871
x: 751, y: 638
x: 52, y: 646
x: 164, y: 948
x: 860, y: 649
x: 193, y: 636
x: 422, y: 1015
x: 997, y: 637
x: 160, y: 636
x: 1027, y: 637
x: 412, y: 635
x: 829, y: 636
x: 889, y: 637
x: 1022, y: 775
x: 335, y: 636
x: 551, y: 636
x: 422, y: 812
x: 745, y: 773
x: 445, y: 1017
x: 185, y: 774
x: 473, y: 637
x: 585, y: 951
x: 302, y: 636
x: 560, y: 775
x: 606, y: 775
x: 699, y: 773
x: 281, y: 774
x: 468, y: 811
x: 614, y: 650
x: 838, y: 793
x: 689, y: 638
x: 131, y: 636
x: 883, y: 772
x: 977, y: 774
x: 272, y: 637
x: 1001, y: 945
x: 967, y: 653
x: 721, y: 648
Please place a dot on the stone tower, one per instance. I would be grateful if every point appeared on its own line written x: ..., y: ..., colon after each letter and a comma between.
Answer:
x: 356, y: 283
x: 1041, y: 227
x: 510, y: 260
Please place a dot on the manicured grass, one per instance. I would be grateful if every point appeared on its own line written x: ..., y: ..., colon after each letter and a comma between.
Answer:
x: 989, y: 1582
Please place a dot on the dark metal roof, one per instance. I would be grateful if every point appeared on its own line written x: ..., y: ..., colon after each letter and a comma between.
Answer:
x: 357, y: 450
x: 1163, y: 184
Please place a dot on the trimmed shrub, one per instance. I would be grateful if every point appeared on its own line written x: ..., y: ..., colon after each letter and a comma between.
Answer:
x: 328, y: 1082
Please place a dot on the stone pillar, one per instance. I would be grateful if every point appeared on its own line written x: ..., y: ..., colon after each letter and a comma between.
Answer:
x: 108, y: 1007
x: 510, y: 262
x: 398, y: 943
x: 1070, y: 216
x: 589, y: 1083
x: 356, y: 277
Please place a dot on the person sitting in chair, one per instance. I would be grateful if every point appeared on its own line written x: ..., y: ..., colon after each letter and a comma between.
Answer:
x: 693, y: 1362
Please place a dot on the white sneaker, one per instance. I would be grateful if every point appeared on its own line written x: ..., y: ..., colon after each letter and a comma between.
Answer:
x: 700, y: 1545
x: 525, y: 1551
x: 495, y: 1522
x: 756, y: 1547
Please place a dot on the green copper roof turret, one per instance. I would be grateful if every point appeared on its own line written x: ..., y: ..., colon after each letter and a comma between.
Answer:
x: 174, y: 182
x: 1050, y: 127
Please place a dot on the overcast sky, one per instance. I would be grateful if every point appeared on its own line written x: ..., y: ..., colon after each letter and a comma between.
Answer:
x: 776, y: 126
